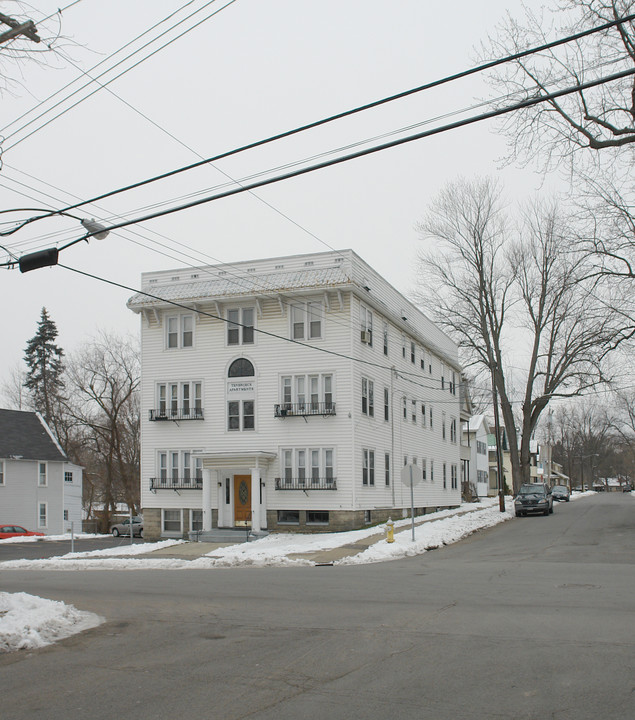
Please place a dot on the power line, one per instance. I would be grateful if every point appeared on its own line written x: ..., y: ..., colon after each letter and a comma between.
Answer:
x: 362, y: 153
x: 391, y: 98
x: 17, y: 142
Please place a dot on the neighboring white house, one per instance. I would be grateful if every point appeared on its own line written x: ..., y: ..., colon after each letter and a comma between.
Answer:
x: 287, y: 394
x: 39, y: 488
x: 475, y: 432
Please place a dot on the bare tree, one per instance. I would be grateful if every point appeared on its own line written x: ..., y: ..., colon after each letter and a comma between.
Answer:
x: 600, y: 118
x: 103, y: 381
x: 13, y: 390
x: 490, y: 285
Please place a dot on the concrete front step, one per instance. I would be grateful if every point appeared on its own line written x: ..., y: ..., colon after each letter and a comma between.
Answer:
x: 226, y: 535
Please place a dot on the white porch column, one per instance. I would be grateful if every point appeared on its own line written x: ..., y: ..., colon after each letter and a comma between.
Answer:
x: 207, y: 500
x: 255, y: 499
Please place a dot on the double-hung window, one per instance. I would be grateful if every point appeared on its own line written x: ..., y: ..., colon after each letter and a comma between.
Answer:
x: 387, y: 468
x: 366, y: 323
x: 42, y: 474
x: 368, y: 467
x: 368, y: 397
x: 423, y: 415
x: 414, y: 412
x: 385, y: 338
x: 179, y: 331
x: 307, y: 467
x: 306, y: 321
x: 42, y: 515
x: 386, y: 404
x: 412, y: 353
x: 453, y: 430
x: 443, y: 425
x: 307, y: 393
x: 240, y: 326
x: 240, y: 415
x: 1, y: 472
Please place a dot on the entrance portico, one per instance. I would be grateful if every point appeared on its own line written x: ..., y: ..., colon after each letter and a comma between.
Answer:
x: 236, y: 483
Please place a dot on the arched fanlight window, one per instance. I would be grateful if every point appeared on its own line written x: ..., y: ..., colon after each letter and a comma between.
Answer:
x: 241, y: 368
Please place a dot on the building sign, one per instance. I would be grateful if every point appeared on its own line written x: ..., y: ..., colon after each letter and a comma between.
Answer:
x: 240, y: 388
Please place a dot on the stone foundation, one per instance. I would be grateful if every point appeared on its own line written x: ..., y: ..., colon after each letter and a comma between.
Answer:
x: 339, y: 520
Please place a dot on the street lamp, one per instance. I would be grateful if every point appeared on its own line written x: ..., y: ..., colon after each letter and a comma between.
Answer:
x: 49, y: 256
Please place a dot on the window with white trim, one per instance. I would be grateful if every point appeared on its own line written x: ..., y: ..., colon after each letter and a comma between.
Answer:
x: 403, y: 346
x: 387, y: 468
x: 68, y: 476
x: 42, y: 515
x: 404, y: 404
x: 179, y: 331
x: 386, y: 404
x: 196, y: 519
x: 171, y: 521
x: 306, y: 320
x: 412, y: 353
x: 424, y: 464
x: 42, y: 481
x: 180, y: 399
x: 443, y: 425
x: 445, y: 476
x: 178, y: 467
x: 1, y: 472
x: 431, y: 426
x: 431, y: 470
x: 366, y: 324
x: 454, y: 477
x: 240, y: 326
x: 453, y: 430
x: 307, y: 390
x: 414, y: 412
x: 240, y: 415
x: 385, y: 338
x: 442, y: 376
x: 424, y: 420
x: 368, y: 397
x: 368, y: 467
x: 307, y: 467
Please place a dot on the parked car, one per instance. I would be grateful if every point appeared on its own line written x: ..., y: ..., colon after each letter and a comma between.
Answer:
x: 9, y: 531
x: 123, y: 528
x: 560, y: 492
x: 533, y: 498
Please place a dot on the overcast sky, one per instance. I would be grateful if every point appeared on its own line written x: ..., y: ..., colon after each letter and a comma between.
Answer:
x: 255, y: 69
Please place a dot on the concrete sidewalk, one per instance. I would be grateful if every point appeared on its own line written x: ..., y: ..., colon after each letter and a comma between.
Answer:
x: 193, y: 550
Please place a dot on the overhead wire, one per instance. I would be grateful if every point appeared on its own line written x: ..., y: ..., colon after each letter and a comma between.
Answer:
x: 154, y: 52
x: 388, y: 99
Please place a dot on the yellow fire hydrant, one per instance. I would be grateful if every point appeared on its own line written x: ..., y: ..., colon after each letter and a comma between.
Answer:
x: 390, y: 531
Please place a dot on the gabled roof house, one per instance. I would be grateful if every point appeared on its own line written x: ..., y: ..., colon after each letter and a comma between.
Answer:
x: 39, y: 488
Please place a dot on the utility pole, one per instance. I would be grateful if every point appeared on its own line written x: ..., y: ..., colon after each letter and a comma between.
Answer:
x: 27, y: 29
x: 499, y: 454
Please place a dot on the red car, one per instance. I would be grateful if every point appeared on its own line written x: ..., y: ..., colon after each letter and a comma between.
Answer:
x: 9, y: 531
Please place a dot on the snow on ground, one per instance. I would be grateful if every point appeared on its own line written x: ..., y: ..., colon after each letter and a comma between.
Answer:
x: 28, y: 621
x: 281, y: 549
x: 48, y: 538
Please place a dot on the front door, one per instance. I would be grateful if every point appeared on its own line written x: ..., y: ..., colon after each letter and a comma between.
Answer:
x: 242, y: 500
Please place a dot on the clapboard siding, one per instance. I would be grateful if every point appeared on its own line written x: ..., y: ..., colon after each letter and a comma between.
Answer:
x: 339, y: 352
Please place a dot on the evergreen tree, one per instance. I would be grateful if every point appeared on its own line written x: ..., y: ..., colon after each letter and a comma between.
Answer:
x: 45, y: 369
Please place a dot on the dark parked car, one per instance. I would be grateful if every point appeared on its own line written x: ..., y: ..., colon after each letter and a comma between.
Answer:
x: 560, y: 492
x: 533, y: 498
x: 123, y: 528
x: 9, y: 531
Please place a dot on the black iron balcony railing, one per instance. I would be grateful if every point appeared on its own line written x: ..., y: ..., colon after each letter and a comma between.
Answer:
x: 307, y: 483
x: 177, y: 414
x: 283, y: 410
x: 172, y: 483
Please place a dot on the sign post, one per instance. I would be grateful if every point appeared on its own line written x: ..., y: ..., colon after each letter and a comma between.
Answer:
x: 411, y: 475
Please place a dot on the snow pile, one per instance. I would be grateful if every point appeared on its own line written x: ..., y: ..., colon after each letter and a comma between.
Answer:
x: 28, y: 621
x: 136, y: 549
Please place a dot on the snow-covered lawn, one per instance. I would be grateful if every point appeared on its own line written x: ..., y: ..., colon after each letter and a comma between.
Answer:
x: 28, y: 621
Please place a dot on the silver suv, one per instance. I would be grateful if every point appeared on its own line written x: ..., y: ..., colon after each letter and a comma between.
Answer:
x: 533, y: 498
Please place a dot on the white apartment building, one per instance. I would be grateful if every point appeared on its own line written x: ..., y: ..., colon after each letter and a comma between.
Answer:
x: 475, y: 432
x: 288, y: 394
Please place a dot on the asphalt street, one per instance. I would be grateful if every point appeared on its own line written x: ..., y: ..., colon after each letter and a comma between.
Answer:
x: 530, y: 619
x: 41, y: 549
